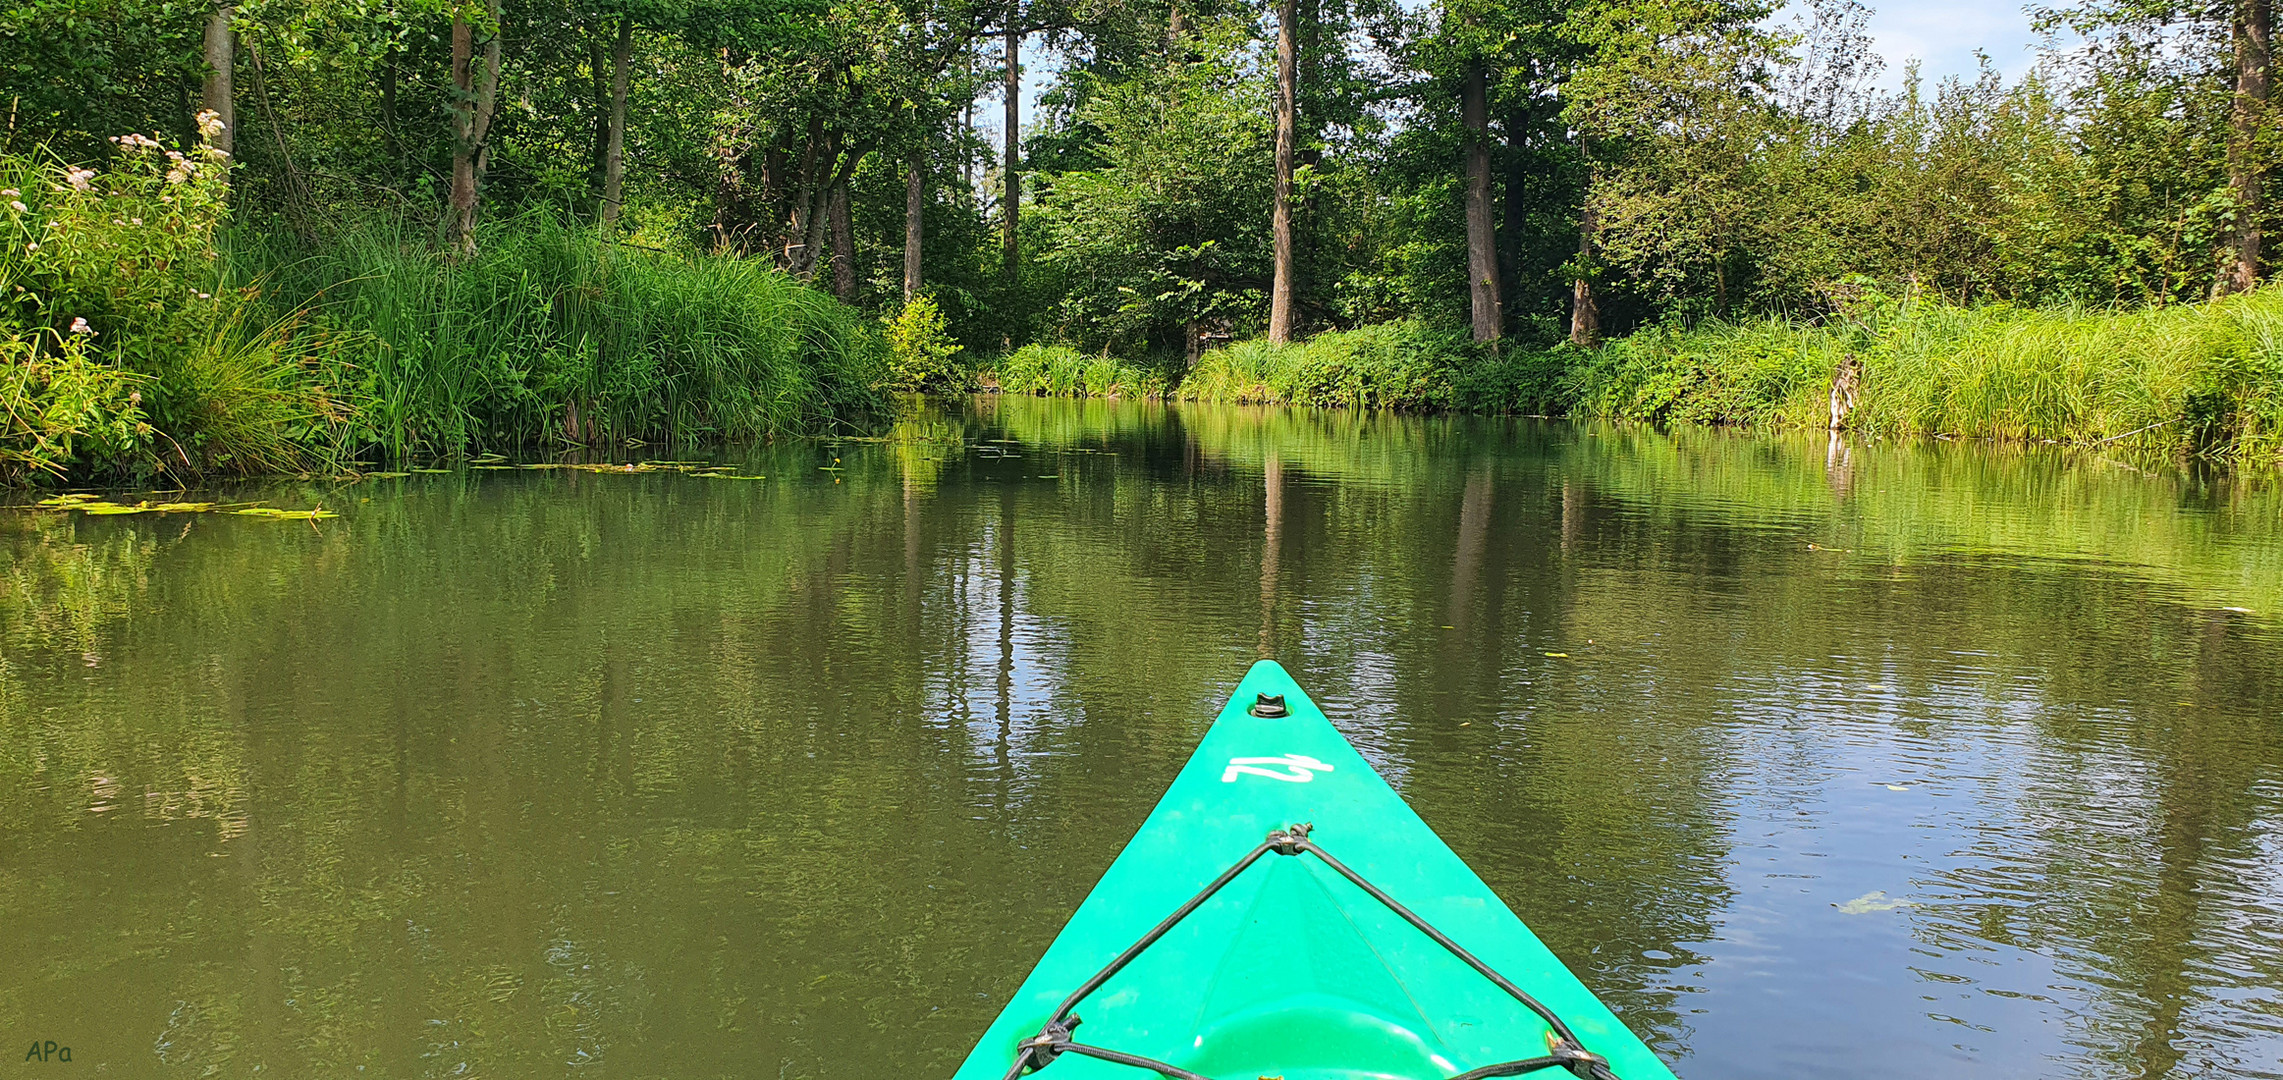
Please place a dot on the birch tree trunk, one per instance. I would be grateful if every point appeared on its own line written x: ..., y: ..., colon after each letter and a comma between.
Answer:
x: 1287, y: 134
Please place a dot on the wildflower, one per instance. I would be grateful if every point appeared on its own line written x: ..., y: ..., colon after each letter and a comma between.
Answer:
x: 19, y: 205
x: 33, y: 246
x: 10, y: 192
x: 134, y: 397
x: 210, y: 125
x: 82, y: 179
x: 79, y: 326
x: 177, y: 175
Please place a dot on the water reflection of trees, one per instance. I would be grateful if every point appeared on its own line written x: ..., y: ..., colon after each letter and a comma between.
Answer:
x: 521, y: 771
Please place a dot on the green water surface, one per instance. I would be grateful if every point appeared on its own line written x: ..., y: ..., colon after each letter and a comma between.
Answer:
x: 1812, y: 759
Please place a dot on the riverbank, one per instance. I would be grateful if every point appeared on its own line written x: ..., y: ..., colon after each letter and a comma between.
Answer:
x: 2203, y: 378
x: 140, y: 334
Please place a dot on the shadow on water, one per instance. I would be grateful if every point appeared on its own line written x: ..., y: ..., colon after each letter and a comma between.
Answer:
x: 1810, y: 756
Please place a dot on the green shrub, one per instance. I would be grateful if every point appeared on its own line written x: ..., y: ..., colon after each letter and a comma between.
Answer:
x: 921, y: 353
x: 125, y: 336
x: 61, y: 409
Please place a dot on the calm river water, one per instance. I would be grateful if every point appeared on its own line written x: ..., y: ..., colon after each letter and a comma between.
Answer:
x: 1813, y: 761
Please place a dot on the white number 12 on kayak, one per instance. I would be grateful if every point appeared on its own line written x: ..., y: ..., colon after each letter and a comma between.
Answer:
x: 1297, y: 768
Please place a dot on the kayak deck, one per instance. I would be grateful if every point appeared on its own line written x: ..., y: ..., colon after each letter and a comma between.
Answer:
x: 1291, y: 969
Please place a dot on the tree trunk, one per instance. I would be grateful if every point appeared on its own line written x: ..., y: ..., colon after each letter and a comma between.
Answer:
x: 598, y: 97
x: 1014, y: 176
x: 391, y: 142
x: 1518, y: 203
x: 219, y: 97
x: 1585, y: 314
x: 1287, y: 134
x: 614, y: 152
x: 473, y: 102
x: 2247, y: 173
x: 915, y: 207
x: 463, y: 209
x: 967, y: 132
x: 800, y: 234
x: 1482, y: 239
x: 843, y: 243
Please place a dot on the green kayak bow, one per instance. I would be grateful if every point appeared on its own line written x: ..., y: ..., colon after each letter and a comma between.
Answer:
x: 1283, y: 914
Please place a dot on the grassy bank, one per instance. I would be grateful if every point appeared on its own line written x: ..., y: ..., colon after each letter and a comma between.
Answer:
x: 139, y: 335
x: 548, y: 335
x: 2204, y: 378
x: 1399, y: 365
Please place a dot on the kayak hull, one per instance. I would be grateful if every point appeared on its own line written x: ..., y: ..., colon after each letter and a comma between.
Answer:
x: 1292, y: 970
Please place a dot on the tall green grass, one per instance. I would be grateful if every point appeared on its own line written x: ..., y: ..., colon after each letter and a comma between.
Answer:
x: 551, y: 335
x: 2206, y: 378
x: 1400, y: 365
x: 1062, y: 371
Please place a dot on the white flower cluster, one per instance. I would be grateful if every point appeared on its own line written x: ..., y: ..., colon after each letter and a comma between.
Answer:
x: 79, y: 326
x: 210, y: 125
x: 80, y: 179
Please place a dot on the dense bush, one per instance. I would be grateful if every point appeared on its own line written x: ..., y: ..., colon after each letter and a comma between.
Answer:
x: 129, y: 344
x: 922, y: 357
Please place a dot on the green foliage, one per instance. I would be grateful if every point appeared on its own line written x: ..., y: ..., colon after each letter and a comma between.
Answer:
x: 921, y: 355
x: 2204, y: 377
x: 552, y: 334
x: 133, y: 352
x: 1062, y: 371
x: 1389, y: 366
x: 1170, y: 229
x: 62, y: 409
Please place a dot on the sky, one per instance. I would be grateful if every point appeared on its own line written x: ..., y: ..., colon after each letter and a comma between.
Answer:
x: 1943, y: 34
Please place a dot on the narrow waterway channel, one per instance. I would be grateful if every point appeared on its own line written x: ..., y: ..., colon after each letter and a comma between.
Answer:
x: 1812, y: 759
